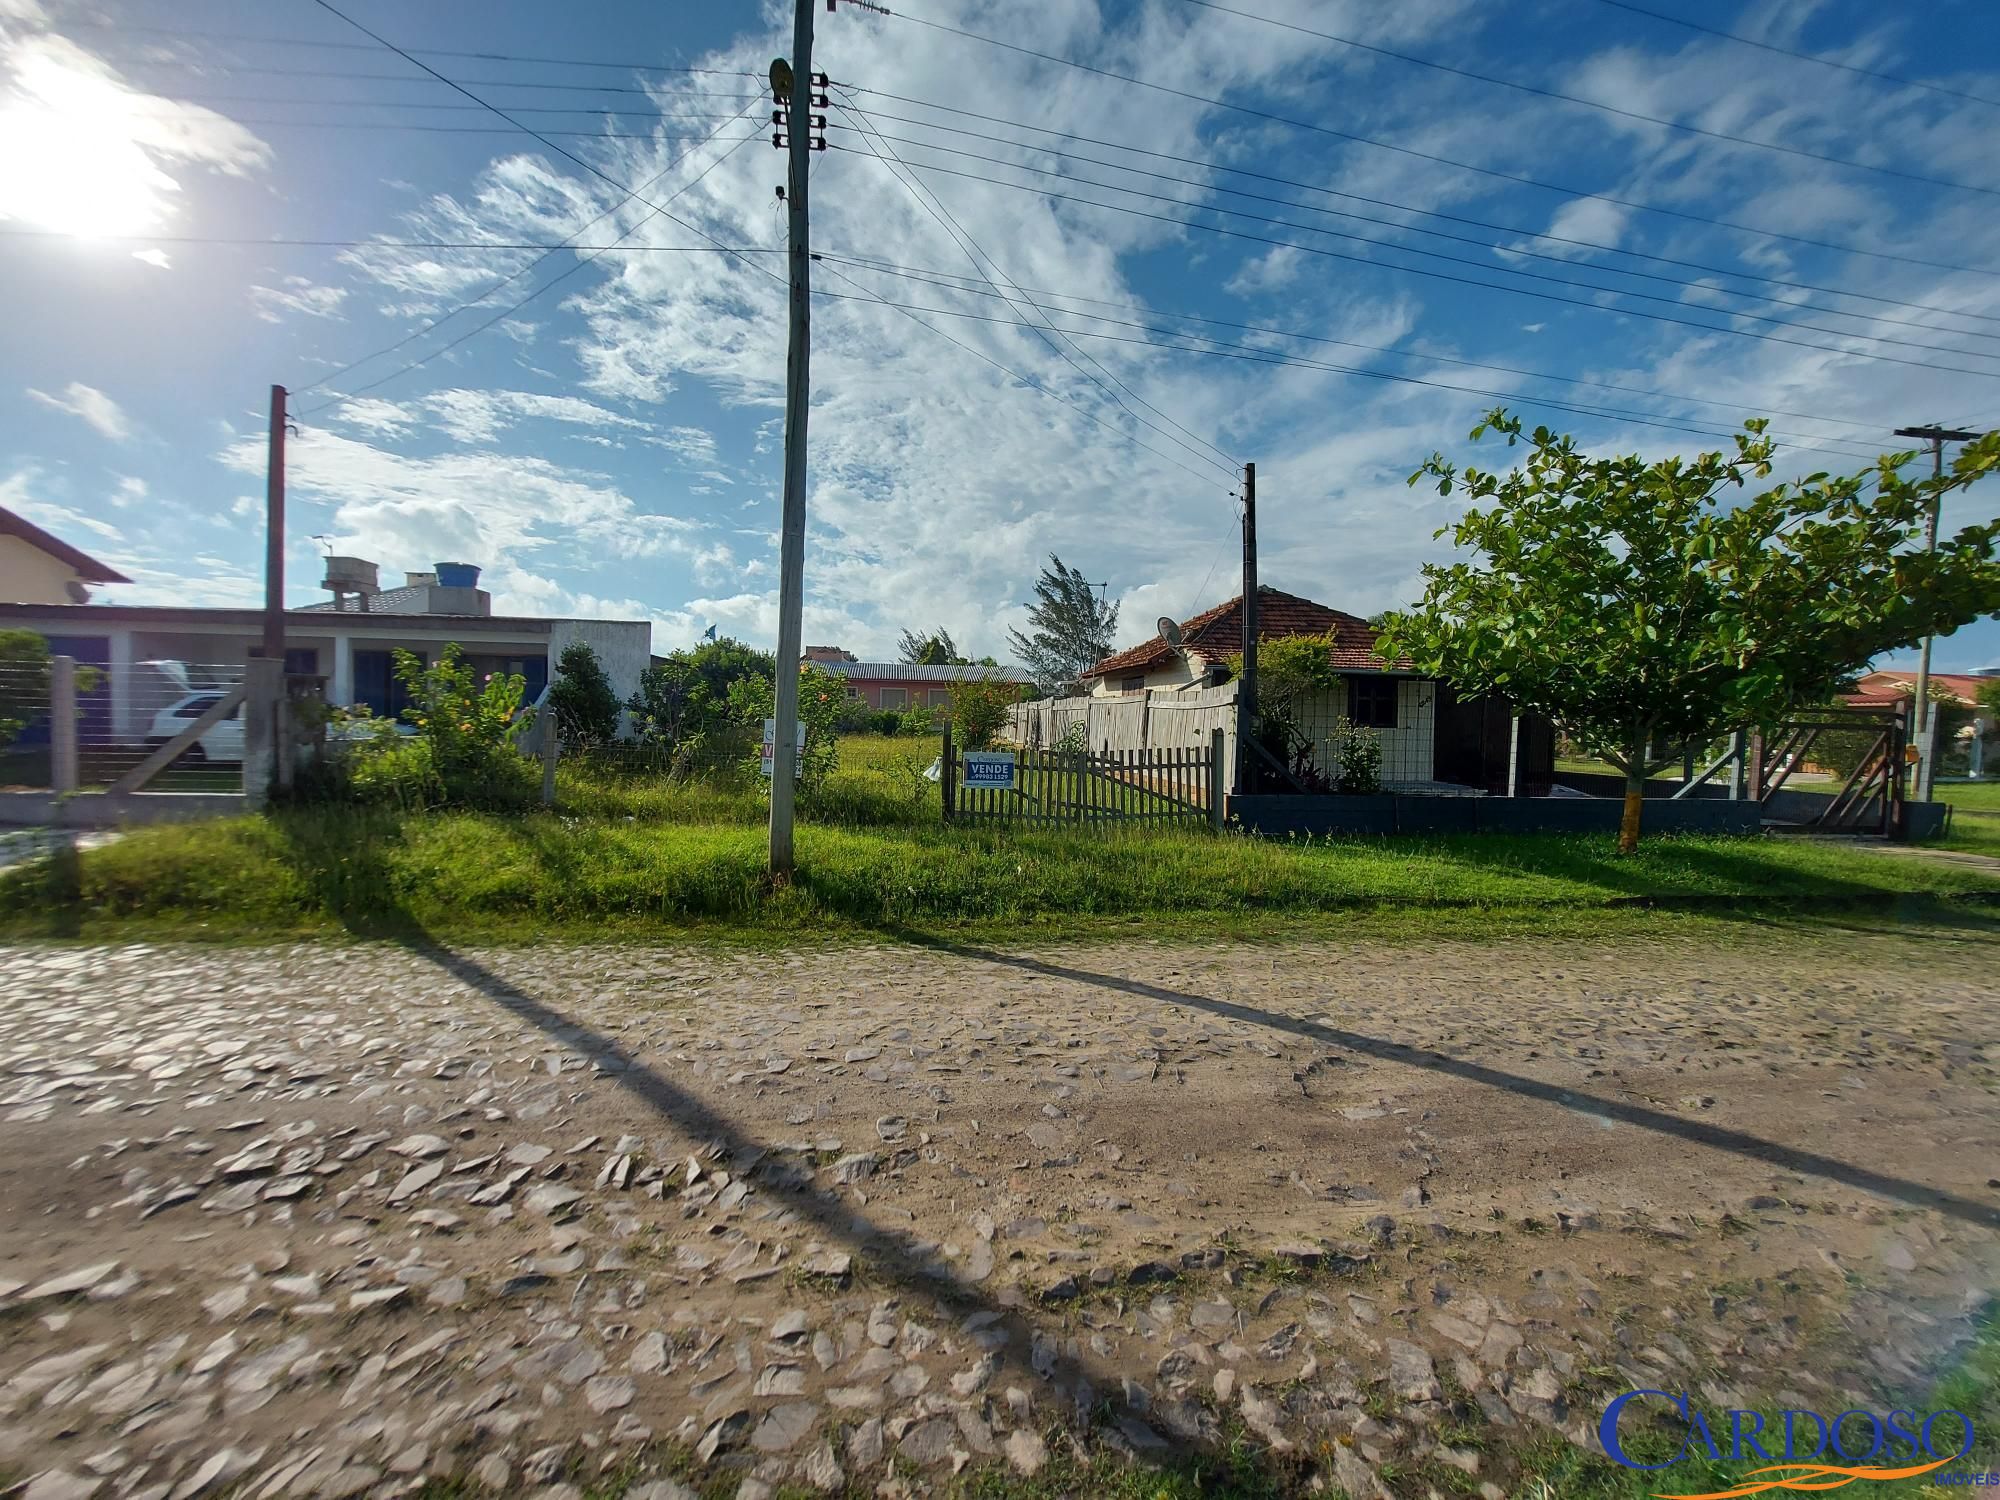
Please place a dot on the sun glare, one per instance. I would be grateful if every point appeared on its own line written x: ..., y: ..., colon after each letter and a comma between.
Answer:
x: 72, y: 158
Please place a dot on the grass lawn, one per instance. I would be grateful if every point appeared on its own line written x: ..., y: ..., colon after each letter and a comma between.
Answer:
x: 327, y: 869
x: 1975, y: 818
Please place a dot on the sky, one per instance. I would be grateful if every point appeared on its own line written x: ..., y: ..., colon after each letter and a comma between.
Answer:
x: 530, y: 302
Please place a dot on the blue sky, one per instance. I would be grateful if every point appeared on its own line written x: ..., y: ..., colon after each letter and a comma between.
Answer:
x: 612, y: 446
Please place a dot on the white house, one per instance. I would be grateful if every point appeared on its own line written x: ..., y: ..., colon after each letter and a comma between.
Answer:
x: 37, y: 568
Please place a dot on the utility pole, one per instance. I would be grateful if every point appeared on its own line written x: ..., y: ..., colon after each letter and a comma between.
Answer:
x: 1246, y: 691
x: 1937, y: 437
x: 274, y: 531
x: 792, y: 530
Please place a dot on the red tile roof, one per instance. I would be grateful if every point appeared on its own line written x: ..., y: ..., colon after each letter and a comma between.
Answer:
x: 1217, y: 634
x: 1883, y: 687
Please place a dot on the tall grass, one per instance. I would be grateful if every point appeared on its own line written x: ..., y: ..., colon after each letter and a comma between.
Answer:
x: 380, y: 870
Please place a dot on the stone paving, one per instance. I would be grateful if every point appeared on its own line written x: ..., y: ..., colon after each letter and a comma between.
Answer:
x: 327, y: 1221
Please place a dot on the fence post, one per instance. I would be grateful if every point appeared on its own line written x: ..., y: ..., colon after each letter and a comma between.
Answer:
x: 1739, y: 750
x: 1215, y: 775
x: 62, y: 723
x: 263, y: 702
x: 948, y: 777
x: 551, y: 748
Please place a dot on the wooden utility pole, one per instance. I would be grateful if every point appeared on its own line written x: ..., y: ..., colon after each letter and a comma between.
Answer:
x: 274, y: 531
x: 1246, y: 690
x: 792, y: 530
x: 1926, y: 736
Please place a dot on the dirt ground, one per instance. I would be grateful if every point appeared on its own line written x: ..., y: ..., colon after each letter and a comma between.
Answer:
x: 332, y: 1221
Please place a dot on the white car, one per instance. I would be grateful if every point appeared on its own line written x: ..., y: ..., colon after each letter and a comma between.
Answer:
x: 223, y: 741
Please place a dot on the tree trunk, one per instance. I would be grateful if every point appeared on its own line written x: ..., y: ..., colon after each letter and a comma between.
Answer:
x: 1635, y: 797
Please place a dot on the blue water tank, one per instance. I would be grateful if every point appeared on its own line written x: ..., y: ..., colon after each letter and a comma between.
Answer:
x: 457, y: 575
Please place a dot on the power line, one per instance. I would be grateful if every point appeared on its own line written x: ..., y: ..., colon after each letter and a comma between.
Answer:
x: 1824, y: 62
x: 1028, y: 381
x: 974, y: 253
x: 1411, y: 151
x: 509, y: 311
x: 424, y: 104
x: 1224, y: 350
x: 1322, y: 250
x: 1419, y: 250
x: 529, y: 130
x: 1211, y: 165
x: 932, y: 278
x: 299, y: 41
x: 569, y: 243
x: 30, y: 232
x: 205, y: 64
x: 1611, y: 109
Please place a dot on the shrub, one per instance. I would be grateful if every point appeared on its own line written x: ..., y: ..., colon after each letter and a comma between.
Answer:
x: 822, y: 696
x: 1357, y: 759
x: 979, y: 708
x: 581, y: 698
x: 918, y: 719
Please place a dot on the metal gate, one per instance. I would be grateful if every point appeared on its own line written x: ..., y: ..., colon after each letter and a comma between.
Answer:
x: 1871, y: 798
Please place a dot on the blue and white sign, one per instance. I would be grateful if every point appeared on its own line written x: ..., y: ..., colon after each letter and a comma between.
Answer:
x: 989, y: 768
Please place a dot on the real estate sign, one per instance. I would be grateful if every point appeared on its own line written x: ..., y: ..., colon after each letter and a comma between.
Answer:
x: 987, y: 768
x: 769, y: 753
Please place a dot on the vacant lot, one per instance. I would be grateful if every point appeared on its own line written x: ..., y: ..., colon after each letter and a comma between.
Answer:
x: 351, y: 1220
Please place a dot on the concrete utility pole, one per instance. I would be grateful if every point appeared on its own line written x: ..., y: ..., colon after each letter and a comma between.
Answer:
x: 1925, y: 735
x: 792, y: 532
x: 274, y: 531
x: 1246, y: 690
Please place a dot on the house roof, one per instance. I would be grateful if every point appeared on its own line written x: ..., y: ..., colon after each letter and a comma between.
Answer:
x: 1216, y: 634
x: 82, y: 563
x: 413, y: 599
x: 901, y: 671
x: 1883, y: 686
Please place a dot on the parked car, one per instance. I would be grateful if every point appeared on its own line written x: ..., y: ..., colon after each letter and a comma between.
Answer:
x: 223, y: 740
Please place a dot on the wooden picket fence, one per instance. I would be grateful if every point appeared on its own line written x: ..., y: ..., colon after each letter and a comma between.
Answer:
x: 1089, y: 789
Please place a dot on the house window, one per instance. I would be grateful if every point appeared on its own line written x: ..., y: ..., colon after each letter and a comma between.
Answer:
x: 940, y: 695
x: 302, y: 661
x: 893, y: 698
x: 853, y: 694
x: 1132, y: 684
x: 1371, y: 702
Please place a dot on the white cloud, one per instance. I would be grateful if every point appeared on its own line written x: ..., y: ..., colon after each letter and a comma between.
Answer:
x: 300, y: 295
x: 92, y: 405
x: 157, y: 258
x: 130, y: 491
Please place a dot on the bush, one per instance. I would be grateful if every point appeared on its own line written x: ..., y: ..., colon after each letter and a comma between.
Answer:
x: 822, y: 696
x: 856, y: 717
x: 979, y: 708
x: 919, y: 720
x: 581, y: 698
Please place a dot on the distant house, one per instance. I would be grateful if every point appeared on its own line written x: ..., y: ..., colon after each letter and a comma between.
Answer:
x: 1898, y: 684
x: 38, y: 568
x: 349, y: 640
x: 1428, y: 735
x: 898, y: 685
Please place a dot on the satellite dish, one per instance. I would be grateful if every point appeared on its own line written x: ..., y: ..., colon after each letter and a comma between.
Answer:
x: 1170, y: 630
x: 781, y: 80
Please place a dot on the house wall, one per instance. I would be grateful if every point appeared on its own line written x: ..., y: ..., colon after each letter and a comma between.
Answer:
x: 1408, y: 750
x: 1180, y: 672
x: 624, y: 648
x: 29, y: 575
x: 897, y: 696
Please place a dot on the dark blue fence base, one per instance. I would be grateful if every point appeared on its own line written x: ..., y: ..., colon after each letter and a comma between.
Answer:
x: 1279, y: 815
x: 1791, y: 805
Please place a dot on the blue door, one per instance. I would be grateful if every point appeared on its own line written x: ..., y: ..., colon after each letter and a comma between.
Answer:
x: 94, y: 707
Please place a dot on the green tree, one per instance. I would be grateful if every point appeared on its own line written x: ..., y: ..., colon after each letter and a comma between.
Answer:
x: 24, y: 682
x: 1290, y: 669
x: 1069, y: 629
x: 685, y: 696
x: 1988, y: 696
x: 1644, y: 605
x: 979, y: 707
x: 822, y: 697
x: 934, y: 650
x: 582, y: 698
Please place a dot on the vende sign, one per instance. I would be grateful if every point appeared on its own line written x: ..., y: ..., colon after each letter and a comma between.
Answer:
x: 769, y: 754
x: 986, y: 768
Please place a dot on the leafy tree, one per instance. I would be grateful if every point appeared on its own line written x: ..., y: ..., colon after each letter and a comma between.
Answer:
x: 979, y: 706
x: 1639, y: 609
x: 24, y: 682
x: 934, y: 650
x: 685, y: 696
x: 822, y: 698
x: 1290, y: 669
x: 1988, y: 696
x: 1070, y: 629
x: 582, y: 698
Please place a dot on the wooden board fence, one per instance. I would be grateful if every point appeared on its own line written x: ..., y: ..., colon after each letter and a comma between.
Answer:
x: 1084, y: 789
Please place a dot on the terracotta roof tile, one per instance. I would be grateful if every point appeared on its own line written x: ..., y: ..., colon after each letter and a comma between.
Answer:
x: 1217, y: 633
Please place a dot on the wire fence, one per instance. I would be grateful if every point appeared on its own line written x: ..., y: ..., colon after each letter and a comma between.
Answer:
x: 121, y: 714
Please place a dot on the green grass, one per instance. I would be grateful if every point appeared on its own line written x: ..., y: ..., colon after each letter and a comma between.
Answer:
x: 327, y: 869
x: 1975, y: 818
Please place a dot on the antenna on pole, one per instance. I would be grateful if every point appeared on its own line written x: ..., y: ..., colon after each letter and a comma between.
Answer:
x: 1169, y: 628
